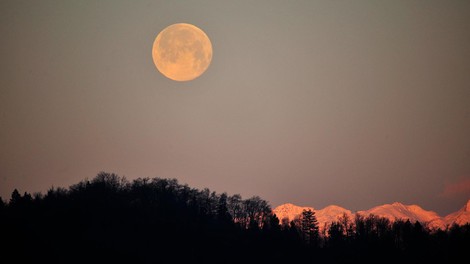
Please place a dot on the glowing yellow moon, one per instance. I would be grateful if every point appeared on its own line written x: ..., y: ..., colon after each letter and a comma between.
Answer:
x: 182, y: 52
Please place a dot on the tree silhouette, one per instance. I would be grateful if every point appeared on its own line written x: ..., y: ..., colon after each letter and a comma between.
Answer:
x: 2, y: 205
x: 309, y: 227
x: 109, y: 219
x: 15, y: 198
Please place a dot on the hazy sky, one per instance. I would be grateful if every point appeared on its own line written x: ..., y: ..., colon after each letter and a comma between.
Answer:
x: 354, y: 103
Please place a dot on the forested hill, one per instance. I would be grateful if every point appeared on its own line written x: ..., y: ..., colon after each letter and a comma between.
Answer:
x: 111, y: 220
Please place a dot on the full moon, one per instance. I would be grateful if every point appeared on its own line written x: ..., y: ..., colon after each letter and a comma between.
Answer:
x: 182, y: 52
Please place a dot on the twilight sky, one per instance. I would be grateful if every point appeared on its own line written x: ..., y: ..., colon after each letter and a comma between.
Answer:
x: 354, y: 103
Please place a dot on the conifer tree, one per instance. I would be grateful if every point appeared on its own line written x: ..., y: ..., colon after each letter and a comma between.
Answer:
x: 309, y: 226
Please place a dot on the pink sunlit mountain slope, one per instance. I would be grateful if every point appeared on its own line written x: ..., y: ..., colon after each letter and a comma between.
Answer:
x: 414, y: 213
x: 332, y: 213
x: 460, y: 217
x: 289, y: 211
x: 324, y: 216
x: 392, y: 212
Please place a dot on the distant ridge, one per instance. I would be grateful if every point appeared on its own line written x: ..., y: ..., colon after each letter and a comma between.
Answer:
x: 397, y: 211
x: 324, y: 216
x: 460, y: 217
x: 393, y: 212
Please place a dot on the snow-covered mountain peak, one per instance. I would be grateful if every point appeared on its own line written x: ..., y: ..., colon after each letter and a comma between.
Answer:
x: 332, y: 213
x: 289, y: 211
x: 460, y: 217
x: 394, y: 211
x: 396, y: 204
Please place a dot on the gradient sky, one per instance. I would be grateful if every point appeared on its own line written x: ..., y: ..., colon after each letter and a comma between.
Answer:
x: 354, y: 103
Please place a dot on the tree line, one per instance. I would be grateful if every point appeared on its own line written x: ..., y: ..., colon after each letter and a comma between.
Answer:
x: 109, y: 219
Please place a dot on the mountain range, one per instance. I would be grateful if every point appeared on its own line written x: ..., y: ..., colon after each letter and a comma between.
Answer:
x: 394, y: 211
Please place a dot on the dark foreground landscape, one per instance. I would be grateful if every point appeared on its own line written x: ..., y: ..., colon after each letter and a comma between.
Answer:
x: 111, y: 220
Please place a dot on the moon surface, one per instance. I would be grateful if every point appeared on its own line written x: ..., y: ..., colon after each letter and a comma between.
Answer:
x: 182, y: 52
